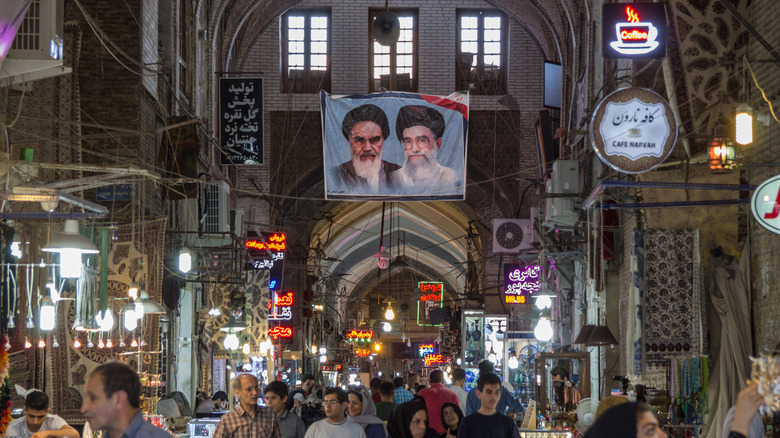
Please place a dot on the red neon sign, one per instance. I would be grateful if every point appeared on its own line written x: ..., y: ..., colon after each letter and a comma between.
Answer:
x: 285, y: 300
x: 280, y: 332
x: 362, y: 352
x: 431, y: 287
x: 355, y: 334
x: 633, y: 17
x: 431, y: 358
x: 276, y: 242
x: 430, y: 297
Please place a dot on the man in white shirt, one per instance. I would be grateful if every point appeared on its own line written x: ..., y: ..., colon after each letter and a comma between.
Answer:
x: 38, y: 422
x: 458, y: 381
x: 336, y: 423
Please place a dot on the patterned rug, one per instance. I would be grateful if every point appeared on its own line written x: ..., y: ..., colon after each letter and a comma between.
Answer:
x: 135, y: 254
x: 673, y: 297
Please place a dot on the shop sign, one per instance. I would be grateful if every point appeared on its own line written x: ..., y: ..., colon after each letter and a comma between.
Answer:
x: 432, y: 359
x: 633, y: 30
x: 116, y: 192
x: 765, y: 204
x: 363, y: 352
x: 280, y: 332
x: 521, y: 282
x: 281, y: 307
x: 633, y: 130
x: 241, y: 120
x: 267, y: 252
x: 360, y: 335
x: 336, y: 367
x: 430, y: 298
x: 425, y: 349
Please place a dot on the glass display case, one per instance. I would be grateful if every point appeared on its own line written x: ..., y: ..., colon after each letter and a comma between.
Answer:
x: 520, y: 372
x: 484, y: 337
x: 556, y: 399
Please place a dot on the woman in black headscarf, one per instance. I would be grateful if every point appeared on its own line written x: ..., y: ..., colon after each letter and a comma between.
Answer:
x: 450, y: 418
x: 627, y: 420
x: 410, y: 420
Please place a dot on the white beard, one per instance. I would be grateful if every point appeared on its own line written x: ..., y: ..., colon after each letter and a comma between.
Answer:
x: 418, y: 169
x: 369, y: 170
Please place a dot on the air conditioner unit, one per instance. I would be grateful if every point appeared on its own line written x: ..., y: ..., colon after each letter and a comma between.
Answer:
x: 217, y: 214
x: 511, y: 235
x: 565, y: 178
x: 37, y: 49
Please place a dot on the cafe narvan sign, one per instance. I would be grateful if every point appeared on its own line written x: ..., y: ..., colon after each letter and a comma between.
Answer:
x: 633, y: 130
x: 765, y: 204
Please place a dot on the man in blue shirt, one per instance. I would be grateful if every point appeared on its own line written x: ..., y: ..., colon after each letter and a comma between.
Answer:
x: 486, y: 422
x: 401, y: 395
x: 112, y: 398
x: 507, y: 404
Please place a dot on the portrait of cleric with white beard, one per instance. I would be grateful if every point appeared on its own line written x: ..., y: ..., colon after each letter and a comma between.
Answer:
x: 420, y: 130
x: 365, y: 128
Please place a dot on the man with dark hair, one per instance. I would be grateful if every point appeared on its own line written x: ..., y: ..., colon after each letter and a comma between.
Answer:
x: 373, y: 386
x: 112, y: 400
x: 386, y: 405
x: 566, y: 395
x: 458, y: 381
x: 365, y: 128
x: 401, y: 395
x: 290, y: 424
x: 336, y: 423
x: 435, y: 397
x: 507, y: 404
x: 420, y: 130
x: 217, y: 402
x: 248, y: 419
x: 37, y: 422
x: 307, y: 383
x: 486, y: 422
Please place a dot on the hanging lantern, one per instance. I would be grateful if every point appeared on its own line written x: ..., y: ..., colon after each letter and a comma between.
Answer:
x: 721, y: 154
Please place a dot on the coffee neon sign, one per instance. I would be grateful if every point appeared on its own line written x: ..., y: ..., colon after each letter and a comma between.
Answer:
x: 634, y: 30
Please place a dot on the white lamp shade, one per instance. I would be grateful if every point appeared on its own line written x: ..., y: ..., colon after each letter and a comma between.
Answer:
x: 71, y: 239
x: 47, y: 317
x: 543, y: 330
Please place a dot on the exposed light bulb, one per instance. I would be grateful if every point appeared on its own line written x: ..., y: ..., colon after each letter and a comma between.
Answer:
x: 89, y: 343
x: 70, y: 263
x: 131, y: 322
x: 323, y: 350
x: 134, y: 344
x: 313, y: 349
x: 323, y: 358
x: 543, y: 302
x: 543, y: 330
x: 105, y: 320
x: 47, y: 314
x: 214, y: 312
x: 386, y: 327
x: 101, y: 344
x: 27, y: 343
x: 16, y: 250
x: 41, y: 344
x: 55, y: 344
x: 245, y: 348
x: 109, y: 344
x: 743, y: 124
x: 389, y: 314
x: 122, y: 343
x: 76, y: 343
x: 513, y: 363
x: 231, y: 341
x: 185, y: 260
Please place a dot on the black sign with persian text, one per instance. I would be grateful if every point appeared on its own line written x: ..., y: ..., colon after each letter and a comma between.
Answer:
x: 241, y: 120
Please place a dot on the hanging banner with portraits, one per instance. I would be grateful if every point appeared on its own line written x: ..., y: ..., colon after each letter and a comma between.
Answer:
x: 395, y: 146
